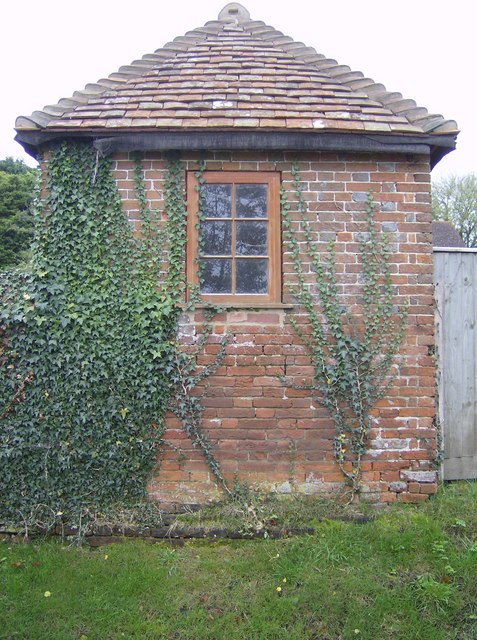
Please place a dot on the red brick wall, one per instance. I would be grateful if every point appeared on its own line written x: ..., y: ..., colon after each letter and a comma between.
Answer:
x: 274, y: 436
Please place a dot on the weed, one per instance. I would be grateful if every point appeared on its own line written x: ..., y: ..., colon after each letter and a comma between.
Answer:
x: 432, y: 594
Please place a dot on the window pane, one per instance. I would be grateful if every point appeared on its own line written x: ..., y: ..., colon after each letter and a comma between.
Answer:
x: 251, y: 239
x: 216, y: 276
x: 216, y: 200
x: 252, y: 276
x: 216, y: 238
x: 251, y: 200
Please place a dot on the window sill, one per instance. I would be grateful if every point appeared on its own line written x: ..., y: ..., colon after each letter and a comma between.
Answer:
x: 250, y: 306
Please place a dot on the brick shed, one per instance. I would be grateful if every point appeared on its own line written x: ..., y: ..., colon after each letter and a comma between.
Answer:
x: 249, y: 101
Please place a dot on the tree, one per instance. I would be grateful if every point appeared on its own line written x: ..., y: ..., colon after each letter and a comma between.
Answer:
x: 454, y: 199
x: 17, y: 182
x: 15, y: 167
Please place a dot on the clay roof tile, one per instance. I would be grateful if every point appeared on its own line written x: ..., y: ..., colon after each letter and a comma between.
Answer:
x: 223, y: 65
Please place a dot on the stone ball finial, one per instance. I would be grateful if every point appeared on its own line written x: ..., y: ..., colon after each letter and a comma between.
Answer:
x: 234, y: 12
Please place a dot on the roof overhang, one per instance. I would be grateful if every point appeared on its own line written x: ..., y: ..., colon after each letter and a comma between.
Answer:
x: 435, y: 146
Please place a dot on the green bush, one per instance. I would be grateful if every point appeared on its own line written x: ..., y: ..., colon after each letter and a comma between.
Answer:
x: 17, y: 182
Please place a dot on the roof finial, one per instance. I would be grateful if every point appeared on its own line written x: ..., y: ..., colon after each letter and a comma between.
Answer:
x: 234, y: 12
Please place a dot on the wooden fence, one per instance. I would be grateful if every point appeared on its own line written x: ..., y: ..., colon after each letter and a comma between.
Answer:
x: 455, y: 279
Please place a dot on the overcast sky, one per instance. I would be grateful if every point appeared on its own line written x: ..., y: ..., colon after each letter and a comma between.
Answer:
x: 424, y: 49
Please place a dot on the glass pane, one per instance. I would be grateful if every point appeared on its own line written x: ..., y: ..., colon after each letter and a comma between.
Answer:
x: 216, y: 200
x: 216, y: 238
x: 251, y: 200
x: 216, y: 276
x: 251, y: 239
x: 252, y: 276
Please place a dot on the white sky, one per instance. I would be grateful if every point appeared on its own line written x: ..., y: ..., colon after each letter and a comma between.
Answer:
x: 425, y: 49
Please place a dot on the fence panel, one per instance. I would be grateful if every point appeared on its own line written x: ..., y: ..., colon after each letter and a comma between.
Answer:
x: 455, y: 278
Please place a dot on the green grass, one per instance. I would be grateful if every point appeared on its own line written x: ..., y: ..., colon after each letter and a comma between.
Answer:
x: 411, y: 573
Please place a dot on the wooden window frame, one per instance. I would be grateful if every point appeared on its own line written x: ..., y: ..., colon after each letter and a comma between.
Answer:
x: 272, y: 180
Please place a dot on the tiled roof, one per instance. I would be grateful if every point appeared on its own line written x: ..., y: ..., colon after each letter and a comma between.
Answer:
x: 236, y: 74
x: 444, y: 234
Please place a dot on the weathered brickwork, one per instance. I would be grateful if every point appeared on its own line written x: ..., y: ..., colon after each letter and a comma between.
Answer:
x: 277, y: 437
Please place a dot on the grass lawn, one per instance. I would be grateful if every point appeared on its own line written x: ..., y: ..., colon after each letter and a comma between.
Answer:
x: 411, y: 573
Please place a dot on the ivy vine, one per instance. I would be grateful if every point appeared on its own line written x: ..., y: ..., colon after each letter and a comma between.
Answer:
x: 351, y: 356
x: 85, y: 381
x: 90, y: 360
x: 186, y: 377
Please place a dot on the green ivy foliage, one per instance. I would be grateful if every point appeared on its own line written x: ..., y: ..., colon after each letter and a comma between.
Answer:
x: 352, y: 355
x: 88, y: 351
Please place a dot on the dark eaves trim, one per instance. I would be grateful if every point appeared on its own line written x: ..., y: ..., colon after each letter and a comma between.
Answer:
x: 434, y: 145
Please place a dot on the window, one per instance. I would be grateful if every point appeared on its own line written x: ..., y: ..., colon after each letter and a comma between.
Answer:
x: 236, y: 248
